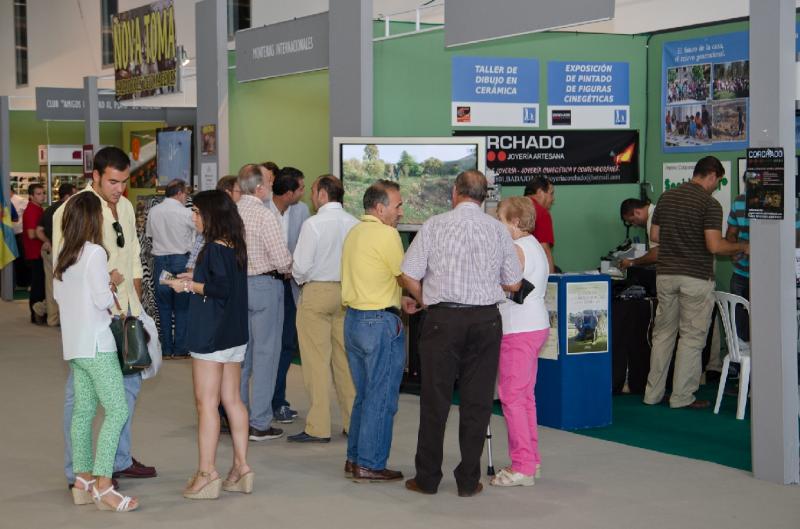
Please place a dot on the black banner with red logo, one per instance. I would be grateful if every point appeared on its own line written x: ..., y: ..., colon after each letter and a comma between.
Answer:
x: 565, y: 157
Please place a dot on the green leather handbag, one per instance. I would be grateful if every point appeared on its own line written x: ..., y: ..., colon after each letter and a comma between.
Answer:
x: 131, y: 341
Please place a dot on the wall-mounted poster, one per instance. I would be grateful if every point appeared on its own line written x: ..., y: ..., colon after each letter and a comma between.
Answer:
x: 549, y: 350
x: 565, y: 157
x: 705, y: 93
x: 679, y: 172
x: 765, y: 180
x: 495, y: 92
x: 209, y: 133
x: 174, y: 154
x: 587, y: 317
x: 588, y: 95
x: 144, y: 51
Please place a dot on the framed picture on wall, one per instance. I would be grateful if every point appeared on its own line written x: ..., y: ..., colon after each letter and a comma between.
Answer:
x: 174, y: 154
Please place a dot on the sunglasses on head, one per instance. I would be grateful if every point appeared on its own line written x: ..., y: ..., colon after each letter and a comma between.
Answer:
x: 120, y: 236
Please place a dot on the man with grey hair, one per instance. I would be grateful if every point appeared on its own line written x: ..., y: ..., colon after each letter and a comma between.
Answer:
x: 170, y: 226
x: 268, y: 261
x: 373, y: 332
x: 458, y: 266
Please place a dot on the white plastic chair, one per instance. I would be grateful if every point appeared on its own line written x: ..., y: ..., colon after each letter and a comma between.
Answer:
x: 738, y: 350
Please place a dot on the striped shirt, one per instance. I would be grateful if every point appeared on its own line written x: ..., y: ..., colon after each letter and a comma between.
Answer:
x: 463, y: 256
x: 266, y: 249
x: 683, y: 214
x: 738, y: 219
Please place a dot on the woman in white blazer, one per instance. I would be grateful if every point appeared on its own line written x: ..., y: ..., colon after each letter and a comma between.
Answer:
x: 83, y: 288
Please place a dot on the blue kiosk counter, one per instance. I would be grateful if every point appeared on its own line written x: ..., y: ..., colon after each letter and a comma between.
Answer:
x: 573, y: 385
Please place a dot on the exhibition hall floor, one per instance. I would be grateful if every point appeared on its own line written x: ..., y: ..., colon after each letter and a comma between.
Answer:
x: 587, y: 482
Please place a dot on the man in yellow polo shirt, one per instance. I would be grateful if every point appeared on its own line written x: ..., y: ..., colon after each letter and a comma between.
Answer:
x: 373, y: 332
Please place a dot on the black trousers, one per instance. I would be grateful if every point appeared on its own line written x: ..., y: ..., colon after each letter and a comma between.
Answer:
x: 463, y: 343
x: 36, y: 267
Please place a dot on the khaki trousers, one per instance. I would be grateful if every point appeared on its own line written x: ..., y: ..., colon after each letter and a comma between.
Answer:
x: 684, y: 304
x: 320, y: 333
x: 50, y: 301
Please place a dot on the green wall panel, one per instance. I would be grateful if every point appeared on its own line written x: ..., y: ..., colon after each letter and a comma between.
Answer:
x: 412, y: 98
x: 284, y: 119
x: 27, y: 133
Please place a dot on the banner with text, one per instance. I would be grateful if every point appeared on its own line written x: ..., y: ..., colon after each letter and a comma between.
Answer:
x: 676, y: 173
x: 495, y: 92
x: 285, y: 48
x: 588, y: 95
x: 565, y: 157
x: 144, y: 51
x: 706, y: 93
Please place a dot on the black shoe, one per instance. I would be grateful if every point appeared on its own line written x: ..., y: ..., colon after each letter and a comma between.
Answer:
x: 265, y: 435
x: 303, y: 437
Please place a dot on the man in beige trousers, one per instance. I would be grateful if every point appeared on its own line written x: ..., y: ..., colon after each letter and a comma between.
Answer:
x: 687, y: 225
x: 320, y: 315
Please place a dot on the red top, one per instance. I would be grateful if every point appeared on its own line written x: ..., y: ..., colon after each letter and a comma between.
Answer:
x: 30, y: 219
x: 544, y: 225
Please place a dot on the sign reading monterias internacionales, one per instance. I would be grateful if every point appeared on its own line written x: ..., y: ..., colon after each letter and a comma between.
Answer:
x: 144, y: 51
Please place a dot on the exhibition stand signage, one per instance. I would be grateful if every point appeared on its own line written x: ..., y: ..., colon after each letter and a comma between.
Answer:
x: 67, y: 104
x: 495, y: 92
x: 765, y: 181
x: 677, y: 173
x: 706, y: 93
x: 588, y: 95
x: 144, y: 51
x: 565, y: 157
x: 573, y: 387
x: 295, y: 46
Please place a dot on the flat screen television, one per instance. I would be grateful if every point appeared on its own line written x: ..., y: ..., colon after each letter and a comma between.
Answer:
x: 425, y: 168
x: 174, y: 154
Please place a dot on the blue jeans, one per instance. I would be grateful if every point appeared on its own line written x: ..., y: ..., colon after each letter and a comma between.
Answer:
x: 132, y: 383
x: 265, y: 319
x: 375, y: 343
x: 288, y: 346
x: 171, y: 304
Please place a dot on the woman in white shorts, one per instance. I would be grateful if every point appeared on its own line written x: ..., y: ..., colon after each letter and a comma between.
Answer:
x: 217, y: 340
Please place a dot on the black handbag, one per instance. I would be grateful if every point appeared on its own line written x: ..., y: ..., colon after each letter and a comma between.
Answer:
x: 131, y: 338
x: 520, y: 295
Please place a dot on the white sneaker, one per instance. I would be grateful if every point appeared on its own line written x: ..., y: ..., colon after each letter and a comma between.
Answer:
x: 509, y: 478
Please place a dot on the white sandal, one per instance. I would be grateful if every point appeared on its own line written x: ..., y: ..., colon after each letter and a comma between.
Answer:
x: 124, y: 504
x: 82, y: 496
x: 509, y: 478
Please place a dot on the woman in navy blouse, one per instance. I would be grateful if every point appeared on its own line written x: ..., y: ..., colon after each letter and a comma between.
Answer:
x: 217, y: 340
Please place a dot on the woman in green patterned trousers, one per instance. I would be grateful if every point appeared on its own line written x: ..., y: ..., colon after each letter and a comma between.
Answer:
x: 83, y: 287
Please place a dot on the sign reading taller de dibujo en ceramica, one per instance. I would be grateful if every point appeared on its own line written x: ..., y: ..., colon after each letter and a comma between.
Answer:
x: 495, y: 92
x: 145, y: 62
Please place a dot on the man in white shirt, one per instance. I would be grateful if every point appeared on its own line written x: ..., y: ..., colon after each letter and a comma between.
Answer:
x: 320, y: 314
x: 287, y: 192
x: 170, y: 226
x: 639, y: 213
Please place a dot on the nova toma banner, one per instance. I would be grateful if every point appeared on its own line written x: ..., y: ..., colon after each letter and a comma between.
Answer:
x: 144, y: 51
x: 588, y: 95
x: 495, y: 92
x: 565, y: 157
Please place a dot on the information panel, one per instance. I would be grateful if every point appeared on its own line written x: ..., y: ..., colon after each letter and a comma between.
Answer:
x: 495, y: 92
x: 588, y: 95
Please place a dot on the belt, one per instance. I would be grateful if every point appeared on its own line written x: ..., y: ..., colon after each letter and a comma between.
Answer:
x: 273, y: 273
x: 393, y: 310
x: 449, y: 305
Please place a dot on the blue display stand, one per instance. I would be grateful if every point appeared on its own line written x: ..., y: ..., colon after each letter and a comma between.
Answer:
x: 573, y: 390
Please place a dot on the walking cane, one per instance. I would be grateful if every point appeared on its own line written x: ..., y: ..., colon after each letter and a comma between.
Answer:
x: 490, y: 466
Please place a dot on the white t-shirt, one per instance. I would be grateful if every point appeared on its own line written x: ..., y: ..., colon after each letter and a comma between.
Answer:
x: 532, y: 314
x: 84, y: 297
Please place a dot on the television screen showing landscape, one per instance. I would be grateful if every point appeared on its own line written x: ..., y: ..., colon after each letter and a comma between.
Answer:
x: 425, y: 172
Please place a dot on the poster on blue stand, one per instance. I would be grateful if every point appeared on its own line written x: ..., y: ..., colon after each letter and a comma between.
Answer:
x: 588, y: 95
x: 495, y: 92
x: 706, y: 93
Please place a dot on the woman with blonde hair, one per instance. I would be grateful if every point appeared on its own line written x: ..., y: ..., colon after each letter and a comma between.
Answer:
x: 83, y: 287
x: 526, y: 327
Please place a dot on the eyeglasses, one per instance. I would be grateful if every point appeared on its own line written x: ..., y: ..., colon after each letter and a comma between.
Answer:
x: 120, y: 236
